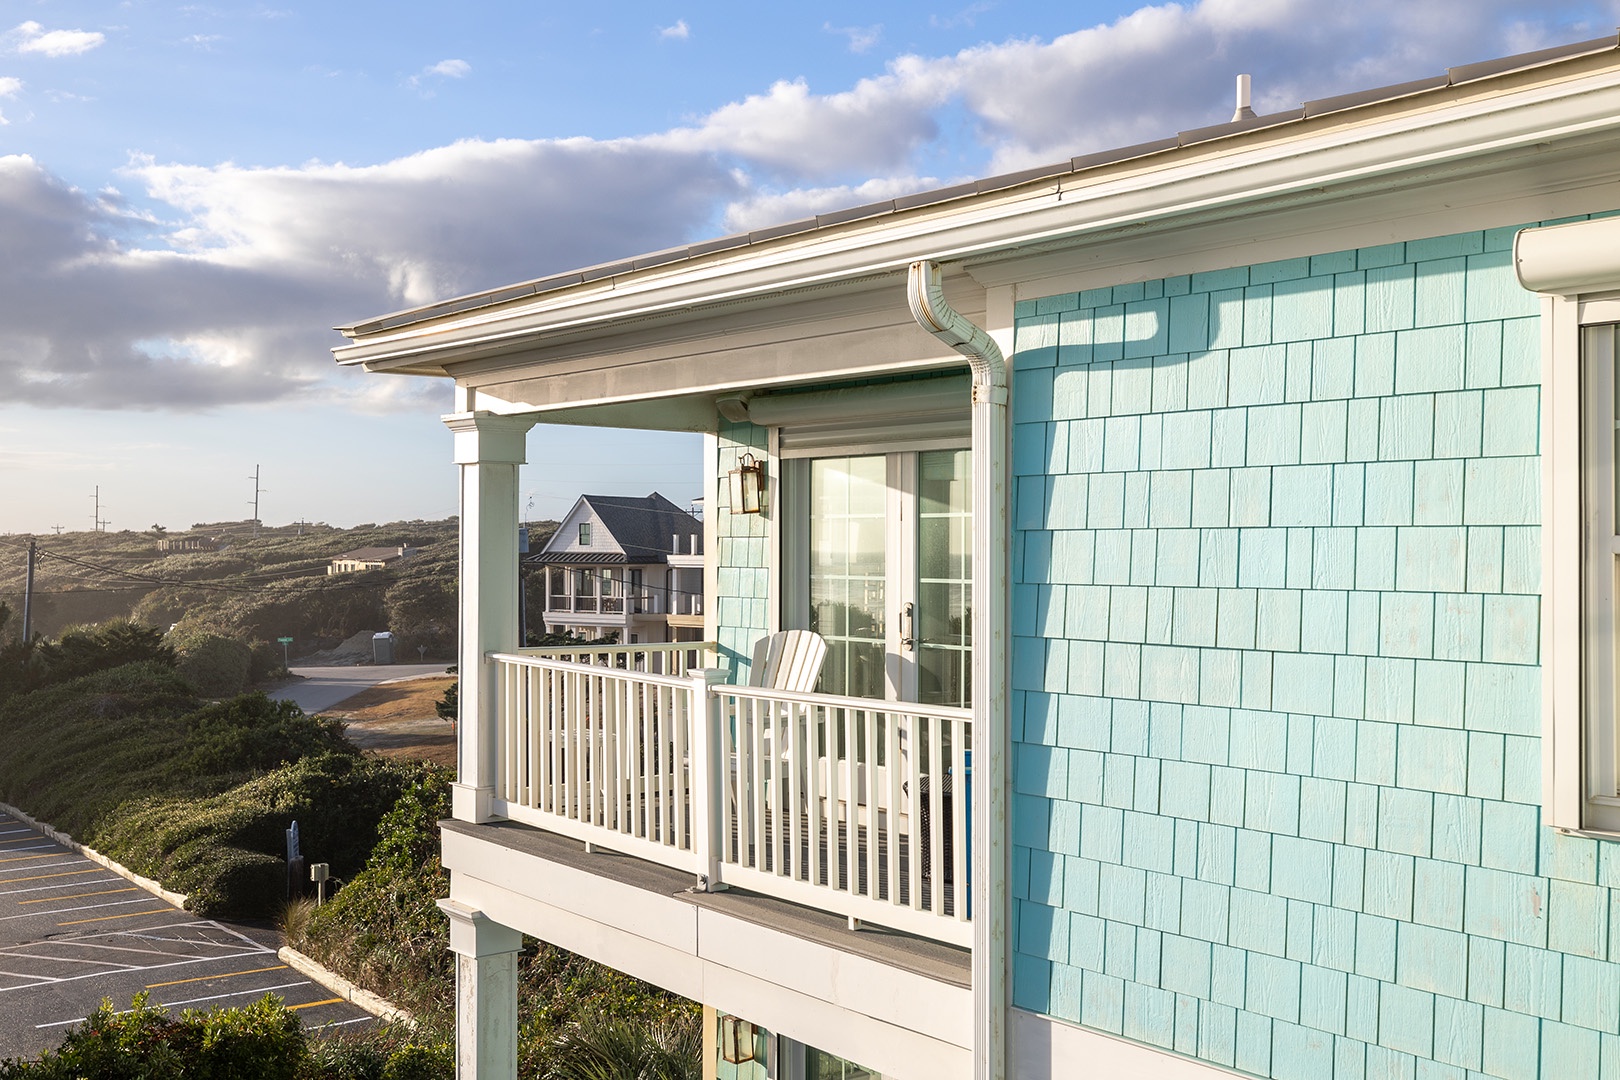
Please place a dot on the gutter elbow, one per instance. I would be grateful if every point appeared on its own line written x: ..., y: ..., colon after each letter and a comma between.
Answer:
x: 925, y: 294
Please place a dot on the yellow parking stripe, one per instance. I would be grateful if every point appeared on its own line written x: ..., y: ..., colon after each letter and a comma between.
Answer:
x: 108, y: 918
x: 25, y: 858
x: 24, y: 840
x: 312, y: 1004
x: 76, y: 896
x: 226, y: 975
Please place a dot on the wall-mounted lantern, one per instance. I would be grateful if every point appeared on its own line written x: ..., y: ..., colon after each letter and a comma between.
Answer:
x: 747, y: 486
x: 736, y: 1040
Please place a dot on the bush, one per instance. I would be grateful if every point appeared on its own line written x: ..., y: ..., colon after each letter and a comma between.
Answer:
x: 265, y: 663
x: 263, y: 1041
x: 227, y: 851
x: 217, y: 666
x: 83, y: 650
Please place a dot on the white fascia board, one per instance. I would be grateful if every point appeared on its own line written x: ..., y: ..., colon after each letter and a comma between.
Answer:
x: 938, y: 1010
x: 1471, y: 130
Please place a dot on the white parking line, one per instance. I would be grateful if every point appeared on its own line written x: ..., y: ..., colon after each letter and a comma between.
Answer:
x: 82, y: 907
x: 126, y: 970
x: 188, y: 1001
x: 63, y: 885
x: 43, y: 866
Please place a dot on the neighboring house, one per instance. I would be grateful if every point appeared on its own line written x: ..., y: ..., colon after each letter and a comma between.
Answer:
x: 175, y: 545
x: 627, y: 566
x: 1264, y: 558
x: 369, y: 558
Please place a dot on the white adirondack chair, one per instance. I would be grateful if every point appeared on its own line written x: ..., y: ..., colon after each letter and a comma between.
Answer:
x: 788, y: 660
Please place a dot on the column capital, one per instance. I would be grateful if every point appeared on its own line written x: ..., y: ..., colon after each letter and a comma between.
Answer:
x: 486, y: 438
x: 474, y: 934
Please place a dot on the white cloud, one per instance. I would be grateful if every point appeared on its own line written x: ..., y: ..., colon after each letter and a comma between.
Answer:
x: 31, y: 37
x: 202, y: 41
x: 680, y: 31
x: 451, y: 69
x: 861, y: 38
x: 10, y: 86
x: 222, y: 290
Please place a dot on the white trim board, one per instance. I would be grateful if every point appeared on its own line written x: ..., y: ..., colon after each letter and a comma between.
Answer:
x: 1045, y: 1048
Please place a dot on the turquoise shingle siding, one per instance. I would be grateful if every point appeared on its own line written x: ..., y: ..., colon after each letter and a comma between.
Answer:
x: 1275, y: 676
x: 742, y: 571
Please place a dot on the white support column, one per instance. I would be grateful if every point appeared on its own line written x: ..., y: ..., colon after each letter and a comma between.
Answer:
x: 486, y: 993
x: 489, y: 449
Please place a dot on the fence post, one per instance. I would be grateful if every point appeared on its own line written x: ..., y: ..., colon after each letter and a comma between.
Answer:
x: 709, y: 773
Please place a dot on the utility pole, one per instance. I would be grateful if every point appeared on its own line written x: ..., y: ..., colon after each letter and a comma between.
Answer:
x: 28, y: 595
x: 58, y: 529
x: 257, y: 491
x: 95, y: 518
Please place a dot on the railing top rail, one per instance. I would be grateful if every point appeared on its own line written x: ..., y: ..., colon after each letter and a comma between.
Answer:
x: 598, y: 670
x: 575, y: 650
x: 879, y: 705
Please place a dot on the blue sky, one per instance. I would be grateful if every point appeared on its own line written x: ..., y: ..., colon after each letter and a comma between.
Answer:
x: 191, y: 195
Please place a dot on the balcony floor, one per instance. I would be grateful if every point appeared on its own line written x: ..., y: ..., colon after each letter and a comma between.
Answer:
x: 905, y: 952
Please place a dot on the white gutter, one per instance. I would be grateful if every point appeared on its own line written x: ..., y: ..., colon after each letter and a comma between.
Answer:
x: 991, y: 751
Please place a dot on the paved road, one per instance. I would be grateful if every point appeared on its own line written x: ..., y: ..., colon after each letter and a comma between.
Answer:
x: 73, y: 932
x: 323, y: 687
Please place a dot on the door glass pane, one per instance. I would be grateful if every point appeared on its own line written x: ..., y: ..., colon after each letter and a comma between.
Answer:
x: 944, y: 615
x: 848, y: 564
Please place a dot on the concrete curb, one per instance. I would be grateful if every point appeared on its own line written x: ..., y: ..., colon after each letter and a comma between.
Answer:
x: 177, y: 899
x: 365, y: 999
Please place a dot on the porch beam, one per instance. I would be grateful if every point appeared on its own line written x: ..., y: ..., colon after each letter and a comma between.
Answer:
x: 489, y: 449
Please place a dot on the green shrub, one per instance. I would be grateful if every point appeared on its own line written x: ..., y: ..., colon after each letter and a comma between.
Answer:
x: 216, y: 665
x: 226, y: 851
x: 265, y: 663
x: 263, y: 1041
x: 83, y: 650
x: 419, y: 1062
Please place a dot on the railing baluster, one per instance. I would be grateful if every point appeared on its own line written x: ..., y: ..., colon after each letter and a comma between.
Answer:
x: 936, y: 831
x: 959, y: 819
x: 792, y: 772
x: 891, y: 821
x: 869, y: 776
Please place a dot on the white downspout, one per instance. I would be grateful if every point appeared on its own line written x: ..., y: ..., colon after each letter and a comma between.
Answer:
x: 991, y: 751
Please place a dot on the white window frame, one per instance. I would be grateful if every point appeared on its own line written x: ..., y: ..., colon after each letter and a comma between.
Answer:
x: 1580, y: 778
x: 1575, y: 266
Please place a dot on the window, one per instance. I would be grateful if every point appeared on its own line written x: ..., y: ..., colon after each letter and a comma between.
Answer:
x: 880, y: 564
x: 1576, y: 267
x: 1600, y: 565
x: 584, y: 534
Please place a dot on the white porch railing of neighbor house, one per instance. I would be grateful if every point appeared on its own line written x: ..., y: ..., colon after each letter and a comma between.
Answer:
x: 848, y: 805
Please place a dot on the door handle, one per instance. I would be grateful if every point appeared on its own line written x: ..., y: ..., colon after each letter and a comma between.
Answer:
x: 908, y: 639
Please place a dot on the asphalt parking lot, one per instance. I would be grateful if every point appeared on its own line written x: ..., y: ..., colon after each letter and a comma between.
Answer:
x: 73, y: 933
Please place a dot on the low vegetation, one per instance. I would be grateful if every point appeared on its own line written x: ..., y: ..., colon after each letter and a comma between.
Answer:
x: 109, y: 739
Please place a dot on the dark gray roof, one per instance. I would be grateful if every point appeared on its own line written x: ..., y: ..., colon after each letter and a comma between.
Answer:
x: 643, y: 527
x: 1456, y: 76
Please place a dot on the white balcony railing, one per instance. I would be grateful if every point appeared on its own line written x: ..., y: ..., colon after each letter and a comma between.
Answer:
x: 842, y: 804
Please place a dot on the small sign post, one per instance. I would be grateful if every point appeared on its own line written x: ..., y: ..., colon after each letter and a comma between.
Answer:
x: 285, y: 641
x: 295, y: 864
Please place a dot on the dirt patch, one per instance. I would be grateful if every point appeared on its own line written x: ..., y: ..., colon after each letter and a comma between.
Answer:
x: 398, y: 720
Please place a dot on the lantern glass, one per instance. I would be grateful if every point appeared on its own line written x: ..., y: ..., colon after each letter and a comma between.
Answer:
x: 736, y: 1040
x: 747, y: 486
